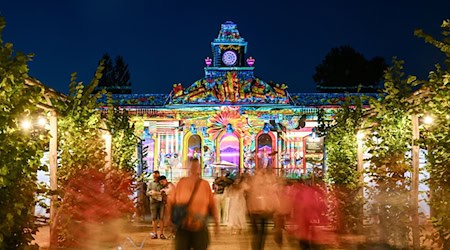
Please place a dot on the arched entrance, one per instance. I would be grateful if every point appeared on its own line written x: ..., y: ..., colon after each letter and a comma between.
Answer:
x: 229, y: 152
x: 265, y: 150
x: 193, y: 149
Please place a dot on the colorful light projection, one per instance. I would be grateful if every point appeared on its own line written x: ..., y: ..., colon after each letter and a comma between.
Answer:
x: 194, y: 147
x: 226, y: 118
x: 229, y: 148
x: 208, y: 61
x: 250, y: 61
x: 148, y: 144
x: 265, y: 151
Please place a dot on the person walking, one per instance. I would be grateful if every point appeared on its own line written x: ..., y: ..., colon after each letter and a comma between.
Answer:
x: 222, y: 201
x: 262, y: 202
x: 196, y: 192
x: 166, y: 192
x: 156, y: 205
x: 237, y: 218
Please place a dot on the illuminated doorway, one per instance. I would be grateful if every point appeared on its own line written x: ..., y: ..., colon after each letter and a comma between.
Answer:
x: 194, y: 147
x: 265, y: 147
x: 229, y: 152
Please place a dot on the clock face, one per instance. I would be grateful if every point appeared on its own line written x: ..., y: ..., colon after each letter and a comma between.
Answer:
x: 229, y: 57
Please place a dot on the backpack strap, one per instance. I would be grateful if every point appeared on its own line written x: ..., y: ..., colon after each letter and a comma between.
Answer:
x: 197, y: 183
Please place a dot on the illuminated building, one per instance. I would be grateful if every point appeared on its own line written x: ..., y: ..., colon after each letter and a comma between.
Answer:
x: 231, y: 117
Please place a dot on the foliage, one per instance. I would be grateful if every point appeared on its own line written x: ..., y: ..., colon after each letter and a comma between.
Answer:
x: 20, y: 150
x: 80, y: 138
x: 437, y: 137
x: 343, y: 70
x: 116, y: 77
x: 82, y: 154
x: 341, y: 161
x: 124, y: 139
x: 388, y: 143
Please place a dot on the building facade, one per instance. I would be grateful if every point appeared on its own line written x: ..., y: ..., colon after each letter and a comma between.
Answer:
x: 230, y: 119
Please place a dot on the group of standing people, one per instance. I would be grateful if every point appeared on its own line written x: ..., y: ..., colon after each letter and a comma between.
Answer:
x: 159, y: 191
x: 256, y: 198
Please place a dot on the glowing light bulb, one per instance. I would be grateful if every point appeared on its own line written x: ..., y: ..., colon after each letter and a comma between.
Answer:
x: 428, y: 120
x: 26, y: 124
x: 42, y: 121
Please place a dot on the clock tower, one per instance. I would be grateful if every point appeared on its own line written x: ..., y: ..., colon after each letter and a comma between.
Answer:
x: 229, y: 76
x: 229, y: 47
x: 229, y: 54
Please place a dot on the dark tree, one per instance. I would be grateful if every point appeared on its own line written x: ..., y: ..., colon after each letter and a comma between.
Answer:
x: 346, y: 70
x: 116, y: 77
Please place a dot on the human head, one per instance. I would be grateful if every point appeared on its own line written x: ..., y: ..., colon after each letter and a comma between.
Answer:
x: 156, y: 175
x: 162, y: 180
x: 194, y: 167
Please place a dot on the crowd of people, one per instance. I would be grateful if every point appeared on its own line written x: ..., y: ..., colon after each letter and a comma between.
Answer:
x: 247, y: 200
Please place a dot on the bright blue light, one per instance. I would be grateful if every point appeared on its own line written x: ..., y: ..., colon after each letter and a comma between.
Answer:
x: 229, y: 128
x: 266, y: 128
x: 146, y: 134
x: 193, y: 129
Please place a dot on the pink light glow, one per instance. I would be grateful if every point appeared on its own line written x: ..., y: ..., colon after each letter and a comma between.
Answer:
x: 250, y: 61
x: 208, y: 61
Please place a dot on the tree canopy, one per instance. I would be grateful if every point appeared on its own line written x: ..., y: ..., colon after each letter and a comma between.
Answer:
x: 345, y: 70
x: 116, y: 77
x: 20, y: 149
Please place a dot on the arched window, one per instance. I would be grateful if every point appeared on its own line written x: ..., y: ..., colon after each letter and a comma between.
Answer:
x: 229, y: 149
x: 194, y: 147
x: 265, y: 149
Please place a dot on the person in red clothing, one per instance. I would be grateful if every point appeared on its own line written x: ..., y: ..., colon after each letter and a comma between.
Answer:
x: 309, y: 210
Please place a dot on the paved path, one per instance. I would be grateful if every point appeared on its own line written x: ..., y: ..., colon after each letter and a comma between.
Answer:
x: 139, y: 239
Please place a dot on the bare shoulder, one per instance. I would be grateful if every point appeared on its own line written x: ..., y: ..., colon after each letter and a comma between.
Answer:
x: 205, y: 184
x: 181, y: 183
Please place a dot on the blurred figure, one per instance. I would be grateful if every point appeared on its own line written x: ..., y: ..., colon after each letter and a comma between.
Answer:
x: 222, y: 201
x: 167, y: 191
x: 156, y: 205
x: 309, y: 211
x: 193, y: 233
x: 262, y: 201
x: 238, y: 209
x: 284, y: 210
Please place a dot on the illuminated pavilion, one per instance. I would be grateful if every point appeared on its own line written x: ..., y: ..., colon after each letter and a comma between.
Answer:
x: 230, y: 119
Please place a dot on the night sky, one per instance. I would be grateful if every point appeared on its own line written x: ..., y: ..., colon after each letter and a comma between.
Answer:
x: 165, y: 41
